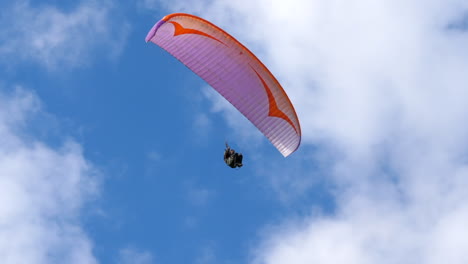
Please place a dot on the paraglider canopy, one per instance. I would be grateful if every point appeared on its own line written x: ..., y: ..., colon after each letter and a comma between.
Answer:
x: 234, y: 71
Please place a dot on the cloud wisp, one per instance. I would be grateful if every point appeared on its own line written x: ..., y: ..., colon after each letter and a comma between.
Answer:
x: 131, y: 255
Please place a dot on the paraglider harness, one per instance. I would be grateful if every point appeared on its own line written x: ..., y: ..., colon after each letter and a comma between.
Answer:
x: 232, y: 158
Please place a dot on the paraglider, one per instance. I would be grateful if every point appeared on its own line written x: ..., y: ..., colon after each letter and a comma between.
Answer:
x: 235, y: 72
x: 232, y: 158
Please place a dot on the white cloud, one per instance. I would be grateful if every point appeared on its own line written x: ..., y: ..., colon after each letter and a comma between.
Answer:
x: 384, y: 85
x: 43, y: 190
x: 132, y: 255
x: 372, y: 231
x: 55, y: 38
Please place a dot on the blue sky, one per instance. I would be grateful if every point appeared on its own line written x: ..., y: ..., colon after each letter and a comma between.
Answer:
x: 111, y: 149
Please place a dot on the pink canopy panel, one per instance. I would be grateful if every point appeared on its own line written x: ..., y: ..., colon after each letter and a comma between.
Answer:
x: 234, y: 71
